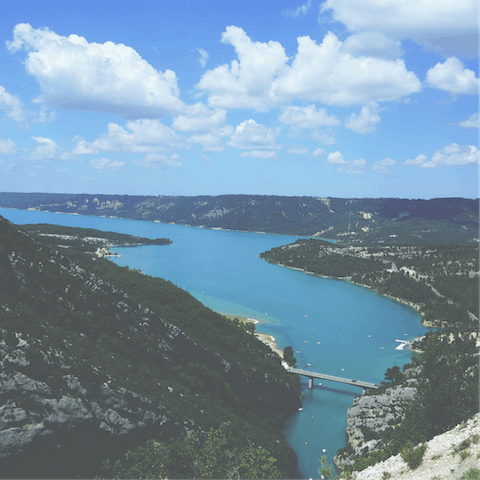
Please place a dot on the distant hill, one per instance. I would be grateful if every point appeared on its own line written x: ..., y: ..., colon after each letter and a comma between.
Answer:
x: 360, y: 220
x: 96, y: 360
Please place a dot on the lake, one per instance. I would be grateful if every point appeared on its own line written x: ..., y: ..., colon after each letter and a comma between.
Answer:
x: 339, y: 328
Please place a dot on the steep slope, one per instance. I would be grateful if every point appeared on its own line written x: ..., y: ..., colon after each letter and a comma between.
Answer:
x: 87, y: 372
x: 384, y: 220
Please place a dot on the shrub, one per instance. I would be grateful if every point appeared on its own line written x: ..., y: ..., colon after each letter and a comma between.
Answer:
x: 413, y: 456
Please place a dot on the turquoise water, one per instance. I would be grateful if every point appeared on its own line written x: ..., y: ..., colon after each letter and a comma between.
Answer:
x: 339, y: 328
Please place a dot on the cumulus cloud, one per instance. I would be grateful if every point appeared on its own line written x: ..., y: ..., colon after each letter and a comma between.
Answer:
x: 366, y: 121
x: 250, y: 135
x: 101, y: 163
x: 298, y: 11
x: 372, y: 44
x: 248, y: 81
x: 47, y: 149
x: 318, y: 152
x: 336, y: 157
x: 441, y: 25
x: 261, y: 78
x: 451, y: 76
x: 12, y: 107
x: 381, y: 166
x: 260, y: 154
x: 7, y: 147
x: 75, y: 74
x: 140, y: 136
x: 471, y: 122
x: 212, y: 142
x: 199, y: 118
x: 203, y: 56
x: 452, y: 155
x: 326, y: 74
x: 307, y: 117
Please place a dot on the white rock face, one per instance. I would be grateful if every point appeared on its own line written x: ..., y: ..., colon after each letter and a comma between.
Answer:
x: 442, y: 459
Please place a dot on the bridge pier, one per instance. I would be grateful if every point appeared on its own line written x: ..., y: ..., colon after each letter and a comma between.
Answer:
x: 310, y: 382
x: 364, y: 391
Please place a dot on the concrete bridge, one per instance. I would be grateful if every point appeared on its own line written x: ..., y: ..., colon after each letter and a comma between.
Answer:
x: 311, y: 375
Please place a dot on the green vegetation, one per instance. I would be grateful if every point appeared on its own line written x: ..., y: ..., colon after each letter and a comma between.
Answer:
x: 216, y: 456
x: 391, y: 221
x: 472, y: 474
x: 288, y: 356
x: 412, y: 455
x: 442, y: 280
x: 110, y: 325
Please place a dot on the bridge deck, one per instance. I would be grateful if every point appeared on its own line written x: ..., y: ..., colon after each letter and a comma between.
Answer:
x: 322, y: 376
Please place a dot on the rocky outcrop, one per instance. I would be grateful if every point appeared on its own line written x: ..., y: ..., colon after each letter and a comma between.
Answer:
x: 451, y: 455
x: 370, y: 415
x: 50, y: 435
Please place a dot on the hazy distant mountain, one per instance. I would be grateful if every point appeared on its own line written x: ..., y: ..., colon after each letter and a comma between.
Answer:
x: 362, y: 220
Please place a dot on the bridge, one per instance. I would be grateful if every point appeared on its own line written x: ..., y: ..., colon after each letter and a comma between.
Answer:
x: 311, y: 375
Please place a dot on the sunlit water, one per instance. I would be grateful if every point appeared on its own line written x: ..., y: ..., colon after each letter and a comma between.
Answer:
x: 339, y: 328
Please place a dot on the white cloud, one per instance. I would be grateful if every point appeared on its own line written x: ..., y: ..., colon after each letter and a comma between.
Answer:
x: 419, y: 160
x: 297, y: 150
x: 207, y: 160
x: 471, y: 122
x: 442, y: 25
x: 13, y: 107
x: 7, y: 147
x: 199, y: 118
x: 452, y: 155
x: 140, y: 136
x: 47, y: 149
x: 259, y: 154
x: 203, y: 56
x: 159, y: 160
x: 318, y: 152
x: 372, y: 44
x: 298, y: 11
x: 366, y: 121
x: 326, y: 74
x: 249, y: 134
x: 248, y: 81
x: 335, y: 157
x: 261, y: 78
x: 451, y: 76
x: 75, y: 74
x: 381, y: 166
x: 307, y: 117
x: 355, y: 167
x: 101, y: 163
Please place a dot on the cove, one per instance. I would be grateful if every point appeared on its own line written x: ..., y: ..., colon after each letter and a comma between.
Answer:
x: 339, y: 328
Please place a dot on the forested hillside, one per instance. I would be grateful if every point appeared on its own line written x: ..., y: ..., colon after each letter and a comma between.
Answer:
x: 98, y: 360
x: 441, y: 280
x: 361, y: 220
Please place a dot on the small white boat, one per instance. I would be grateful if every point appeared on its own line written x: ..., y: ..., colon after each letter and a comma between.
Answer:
x: 300, y: 409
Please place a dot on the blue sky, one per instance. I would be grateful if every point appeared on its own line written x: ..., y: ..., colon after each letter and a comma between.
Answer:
x: 340, y: 98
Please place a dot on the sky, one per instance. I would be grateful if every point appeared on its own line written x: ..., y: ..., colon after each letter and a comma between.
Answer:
x: 333, y: 98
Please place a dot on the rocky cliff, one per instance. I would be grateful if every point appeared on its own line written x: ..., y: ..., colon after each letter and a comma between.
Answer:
x: 370, y: 415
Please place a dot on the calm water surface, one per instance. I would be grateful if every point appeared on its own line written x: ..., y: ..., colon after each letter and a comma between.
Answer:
x: 339, y: 328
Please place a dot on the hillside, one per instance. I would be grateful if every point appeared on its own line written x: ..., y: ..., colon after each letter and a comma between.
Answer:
x: 442, y: 281
x: 96, y: 361
x: 372, y: 221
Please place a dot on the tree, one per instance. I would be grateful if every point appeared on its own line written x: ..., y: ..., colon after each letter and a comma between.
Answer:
x: 394, y: 374
x: 288, y: 356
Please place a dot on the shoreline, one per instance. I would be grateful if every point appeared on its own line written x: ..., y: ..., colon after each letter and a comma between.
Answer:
x: 265, y: 338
